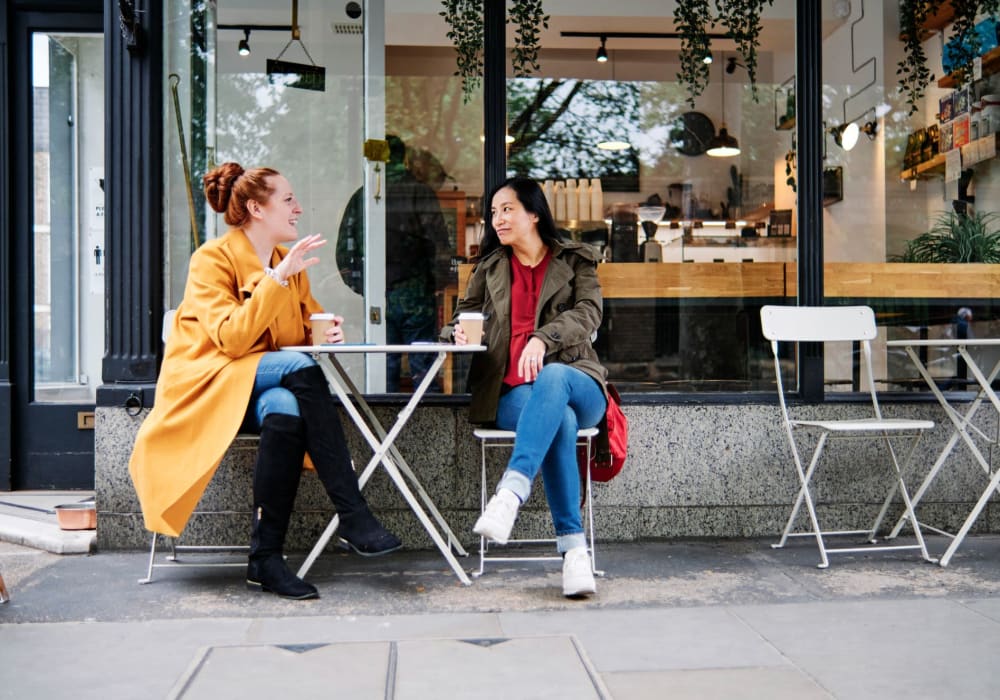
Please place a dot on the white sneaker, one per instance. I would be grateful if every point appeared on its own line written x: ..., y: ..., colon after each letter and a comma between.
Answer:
x: 578, y: 577
x: 497, y: 519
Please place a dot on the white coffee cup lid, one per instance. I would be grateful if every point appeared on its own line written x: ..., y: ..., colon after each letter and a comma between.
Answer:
x: 323, y: 317
x: 471, y: 316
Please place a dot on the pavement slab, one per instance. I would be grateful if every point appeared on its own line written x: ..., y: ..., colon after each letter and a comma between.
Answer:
x: 679, y: 618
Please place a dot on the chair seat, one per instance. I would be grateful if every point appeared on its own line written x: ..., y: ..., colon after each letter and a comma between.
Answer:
x: 497, y: 434
x: 496, y: 438
x: 864, y: 424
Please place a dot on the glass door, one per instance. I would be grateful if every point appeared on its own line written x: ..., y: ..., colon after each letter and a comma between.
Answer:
x: 60, y: 340
x: 295, y: 86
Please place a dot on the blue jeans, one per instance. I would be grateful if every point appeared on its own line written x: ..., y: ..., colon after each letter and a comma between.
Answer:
x: 268, y: 395
x: 546, y: 415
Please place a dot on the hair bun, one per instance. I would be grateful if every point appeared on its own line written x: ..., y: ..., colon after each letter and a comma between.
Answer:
x: 218, y: 184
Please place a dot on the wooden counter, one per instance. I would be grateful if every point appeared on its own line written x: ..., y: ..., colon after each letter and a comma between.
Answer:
x: 775, y: 280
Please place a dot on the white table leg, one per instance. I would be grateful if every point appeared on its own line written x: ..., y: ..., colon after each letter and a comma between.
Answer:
x: 961, y: 423
x: 386, y: 453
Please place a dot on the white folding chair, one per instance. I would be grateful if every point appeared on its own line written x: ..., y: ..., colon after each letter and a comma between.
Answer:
x: 493, y: 438
x: 794, y: 324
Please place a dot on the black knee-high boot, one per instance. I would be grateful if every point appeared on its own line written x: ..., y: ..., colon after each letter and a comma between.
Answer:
x: 275, y: 483
x: 327, y: 447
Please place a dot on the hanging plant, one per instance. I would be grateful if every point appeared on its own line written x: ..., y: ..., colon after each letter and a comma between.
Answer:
x: 692, y: 19
x: 790, y: 167
x: 465, y: 30
x: 742, y: 20
x: 963, y: 42
x: 914, y: 76
x: 465, y: 22
x: 528, y: 18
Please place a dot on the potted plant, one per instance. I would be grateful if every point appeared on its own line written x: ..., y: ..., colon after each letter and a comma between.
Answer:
x: 956, y: 238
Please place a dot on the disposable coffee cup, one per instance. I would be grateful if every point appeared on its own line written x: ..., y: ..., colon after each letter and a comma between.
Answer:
x: 472, y: 324
x: 319, y: 323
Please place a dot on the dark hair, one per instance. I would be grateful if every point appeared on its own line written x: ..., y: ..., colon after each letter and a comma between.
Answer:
x: 228, y: 188
x: 529, y: 194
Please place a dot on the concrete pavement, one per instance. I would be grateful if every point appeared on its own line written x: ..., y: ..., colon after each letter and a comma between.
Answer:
x: 672, y: 619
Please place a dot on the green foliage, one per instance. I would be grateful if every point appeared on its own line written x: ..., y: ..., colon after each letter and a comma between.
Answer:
x: 465, y: 22
x: 914, y: 75
x: 742, y: 19
x: 465, y: 30
x: 956, y: 238
x: 693, y: 18
x: 528, y: 17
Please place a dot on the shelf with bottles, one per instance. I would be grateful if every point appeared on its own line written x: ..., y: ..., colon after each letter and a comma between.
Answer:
x: 935, y: 166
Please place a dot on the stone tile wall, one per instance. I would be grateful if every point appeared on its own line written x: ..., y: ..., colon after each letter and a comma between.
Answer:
x: 692, y: 471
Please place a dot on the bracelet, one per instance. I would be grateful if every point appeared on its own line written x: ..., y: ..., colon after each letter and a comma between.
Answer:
x: 270, y: 272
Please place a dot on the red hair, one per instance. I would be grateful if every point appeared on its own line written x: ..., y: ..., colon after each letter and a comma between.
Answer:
x: 229, y: 187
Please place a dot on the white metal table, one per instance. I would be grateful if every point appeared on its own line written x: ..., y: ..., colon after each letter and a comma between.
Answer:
x: 382, y: 441
x: 962, y: 424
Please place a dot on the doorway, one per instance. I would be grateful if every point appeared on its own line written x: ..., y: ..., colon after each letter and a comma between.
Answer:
x: 58, y: 248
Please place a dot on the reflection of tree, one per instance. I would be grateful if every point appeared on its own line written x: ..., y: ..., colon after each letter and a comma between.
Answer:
x: 557, y: 124
x: 254, y: 112
x: 429, y: 111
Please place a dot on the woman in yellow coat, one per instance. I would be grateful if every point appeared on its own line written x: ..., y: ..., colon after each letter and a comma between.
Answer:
x: 247, y: 296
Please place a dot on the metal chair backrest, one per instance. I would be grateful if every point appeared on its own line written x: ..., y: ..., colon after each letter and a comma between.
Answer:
x: 168, y: 323
x: 798, y: 324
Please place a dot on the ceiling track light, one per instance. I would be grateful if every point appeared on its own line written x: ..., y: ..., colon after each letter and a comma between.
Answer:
x: 602, y: 52
x: 244, y: 47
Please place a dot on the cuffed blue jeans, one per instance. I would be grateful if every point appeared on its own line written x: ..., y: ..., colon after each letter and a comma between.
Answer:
x: 546, y: 416
x: 268, y: 395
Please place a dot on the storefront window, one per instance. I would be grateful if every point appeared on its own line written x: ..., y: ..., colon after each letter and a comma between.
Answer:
x: 693, y: 243
x: 241, y: 88
x: 912, y: 194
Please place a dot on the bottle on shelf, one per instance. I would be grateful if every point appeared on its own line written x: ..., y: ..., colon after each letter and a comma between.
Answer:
x: 596, y: 200
x: 572, y: 202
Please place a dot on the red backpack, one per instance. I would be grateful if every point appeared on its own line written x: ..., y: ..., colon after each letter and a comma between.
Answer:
x: 611, y: 444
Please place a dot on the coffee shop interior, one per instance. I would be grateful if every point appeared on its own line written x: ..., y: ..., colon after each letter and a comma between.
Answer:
x: 679, y: 164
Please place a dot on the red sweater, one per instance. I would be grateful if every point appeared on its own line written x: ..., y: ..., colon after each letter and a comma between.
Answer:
x: 526, y: 284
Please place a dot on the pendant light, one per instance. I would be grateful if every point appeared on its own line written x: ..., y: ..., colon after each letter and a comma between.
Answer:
x: 723, y: 145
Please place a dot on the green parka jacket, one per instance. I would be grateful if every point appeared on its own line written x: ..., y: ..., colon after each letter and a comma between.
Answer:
x: 569, y: 313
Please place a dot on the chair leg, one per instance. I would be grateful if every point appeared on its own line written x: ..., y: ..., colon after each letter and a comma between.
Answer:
x: 590, y: 518
x: 152, y: 558
x: 804, y: 495
x: 482, y: 507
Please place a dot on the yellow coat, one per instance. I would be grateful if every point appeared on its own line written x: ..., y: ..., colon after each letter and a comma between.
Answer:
x: 232, y: 313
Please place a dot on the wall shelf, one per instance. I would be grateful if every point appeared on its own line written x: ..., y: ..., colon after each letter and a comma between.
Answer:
x: 991, y: 64
x: 935, y: 166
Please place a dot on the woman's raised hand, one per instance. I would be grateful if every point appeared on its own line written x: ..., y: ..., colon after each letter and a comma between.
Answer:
x: 296, y: 260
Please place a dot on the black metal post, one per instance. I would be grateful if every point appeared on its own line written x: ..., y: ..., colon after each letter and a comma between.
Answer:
x: 809, y: 126
x: 494, y: 95
x: 6, y: 271
x: 133, y: 193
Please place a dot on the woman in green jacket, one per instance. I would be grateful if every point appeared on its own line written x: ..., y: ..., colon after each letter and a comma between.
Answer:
x: 539, y: 375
